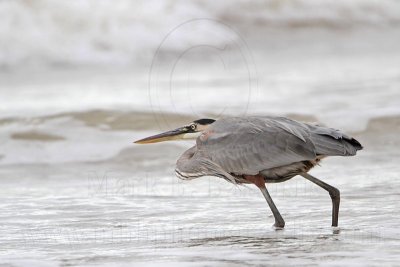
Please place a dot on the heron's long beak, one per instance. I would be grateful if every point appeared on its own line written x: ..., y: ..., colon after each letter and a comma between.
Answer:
x: 176, y: 134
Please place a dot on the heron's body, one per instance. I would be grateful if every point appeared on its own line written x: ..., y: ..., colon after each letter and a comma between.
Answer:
x: 259, y: 150
x: 276, y: 148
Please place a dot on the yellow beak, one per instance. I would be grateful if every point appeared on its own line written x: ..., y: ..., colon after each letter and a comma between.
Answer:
x: 166, y: 136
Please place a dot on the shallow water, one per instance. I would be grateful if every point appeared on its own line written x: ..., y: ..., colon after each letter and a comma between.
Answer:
x: 130, y: 209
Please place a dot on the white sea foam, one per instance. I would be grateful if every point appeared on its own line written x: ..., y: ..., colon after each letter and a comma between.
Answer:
x: 124, y: 32
x: 336, y: 60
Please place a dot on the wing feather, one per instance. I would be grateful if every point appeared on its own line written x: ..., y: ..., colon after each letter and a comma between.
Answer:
x: 249, y: 145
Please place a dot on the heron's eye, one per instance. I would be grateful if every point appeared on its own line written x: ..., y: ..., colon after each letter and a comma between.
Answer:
x: 193, y: 127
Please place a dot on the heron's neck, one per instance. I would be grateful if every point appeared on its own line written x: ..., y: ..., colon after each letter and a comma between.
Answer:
x: 186, y: 168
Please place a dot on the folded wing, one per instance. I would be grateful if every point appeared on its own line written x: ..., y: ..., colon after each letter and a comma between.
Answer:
x: 251, y: 144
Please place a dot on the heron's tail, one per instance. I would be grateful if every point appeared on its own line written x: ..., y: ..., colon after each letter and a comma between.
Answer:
x: 355, y: 144
x: 332, y: 142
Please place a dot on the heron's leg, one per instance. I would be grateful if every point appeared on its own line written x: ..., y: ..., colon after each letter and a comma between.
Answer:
x: 333, y: 192
x: 258, y: 180
x: 279, y: 222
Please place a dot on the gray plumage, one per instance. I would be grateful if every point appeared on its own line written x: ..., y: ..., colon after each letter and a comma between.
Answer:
x: 276, y: 147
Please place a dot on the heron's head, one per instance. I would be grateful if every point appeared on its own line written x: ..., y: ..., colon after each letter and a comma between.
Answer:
x: 190, y: 131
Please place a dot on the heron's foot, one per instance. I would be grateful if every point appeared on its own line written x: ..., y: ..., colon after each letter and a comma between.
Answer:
x: 279, y: 225
x: 335, y: 230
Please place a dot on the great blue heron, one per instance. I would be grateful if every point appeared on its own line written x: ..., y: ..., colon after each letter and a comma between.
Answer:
x: 259, y: 150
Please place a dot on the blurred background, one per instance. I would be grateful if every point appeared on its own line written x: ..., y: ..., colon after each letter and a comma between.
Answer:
x: 81, y: 80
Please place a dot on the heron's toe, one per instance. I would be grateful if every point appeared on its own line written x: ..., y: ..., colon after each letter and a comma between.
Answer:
x: 335, y: 230
x: 279, y: 225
